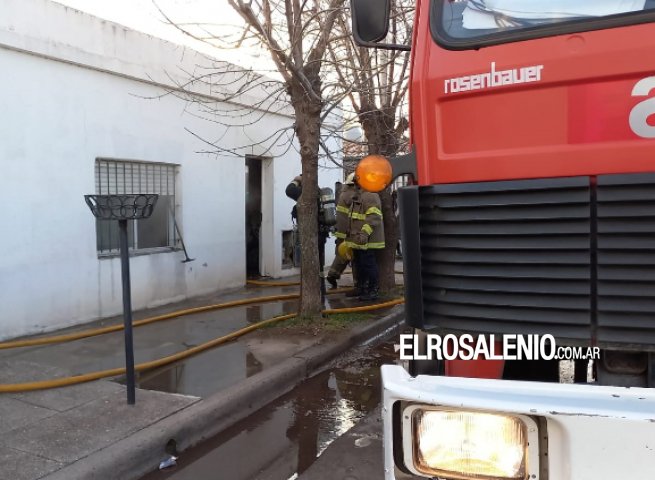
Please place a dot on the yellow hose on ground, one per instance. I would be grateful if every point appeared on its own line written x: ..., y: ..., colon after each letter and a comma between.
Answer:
x: 87, y: 377
x: 264, y: 283
x: 69, y: 337
x: 348, y: 272
x: 365, y: 308
x: 138, y: 323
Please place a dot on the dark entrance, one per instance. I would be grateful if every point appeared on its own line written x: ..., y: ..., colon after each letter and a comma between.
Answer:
x: 253, y: 213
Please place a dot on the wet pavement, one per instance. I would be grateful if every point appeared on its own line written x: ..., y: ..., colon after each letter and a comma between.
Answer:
x: 218, y: 368
x: 201, y: 375
x: 81, y: 430
x: 357, y: 455
x: 283, y: 440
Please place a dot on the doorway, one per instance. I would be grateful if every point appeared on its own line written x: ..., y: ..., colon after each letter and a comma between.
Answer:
x: 253, y: 214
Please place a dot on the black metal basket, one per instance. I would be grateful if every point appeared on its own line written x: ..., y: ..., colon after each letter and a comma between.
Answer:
x: 122, y: 207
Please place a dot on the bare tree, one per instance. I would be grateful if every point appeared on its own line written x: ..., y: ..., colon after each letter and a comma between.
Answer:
x: 375, y: 84
x: 295, y: 34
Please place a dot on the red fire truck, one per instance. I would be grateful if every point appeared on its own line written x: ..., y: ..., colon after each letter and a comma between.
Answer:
x: 532, y: 213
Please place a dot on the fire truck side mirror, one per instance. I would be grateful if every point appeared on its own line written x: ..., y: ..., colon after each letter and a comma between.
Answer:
x: 370, y: 20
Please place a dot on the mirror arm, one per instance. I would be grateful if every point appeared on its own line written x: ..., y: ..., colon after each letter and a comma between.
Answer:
x: 383, y: 46
x: 404, y: 165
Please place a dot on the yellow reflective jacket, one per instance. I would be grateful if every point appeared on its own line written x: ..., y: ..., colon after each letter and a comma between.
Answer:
x: 363, y: 212
x: 344, y: 202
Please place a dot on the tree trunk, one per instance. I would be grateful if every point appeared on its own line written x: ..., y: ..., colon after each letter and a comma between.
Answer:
x: 307, y: 113
x: 381, y: 139
x: 387, y: 257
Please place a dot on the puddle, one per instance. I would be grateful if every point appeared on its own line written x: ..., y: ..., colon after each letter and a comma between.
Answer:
x: 216, y: 369
x: 283, y: 439
x: 257, y: 313
x: 201, y: 375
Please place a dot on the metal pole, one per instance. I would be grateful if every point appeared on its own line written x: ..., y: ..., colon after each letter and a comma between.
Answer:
x: 321, y: 266
x: 127, y: 312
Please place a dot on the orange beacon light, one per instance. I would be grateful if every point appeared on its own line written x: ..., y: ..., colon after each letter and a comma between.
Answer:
x: 374, y: 173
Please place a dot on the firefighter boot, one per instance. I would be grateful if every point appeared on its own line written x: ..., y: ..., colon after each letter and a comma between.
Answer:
x: 332, y: 280
x: 371, y: 293
x: 358, y: 291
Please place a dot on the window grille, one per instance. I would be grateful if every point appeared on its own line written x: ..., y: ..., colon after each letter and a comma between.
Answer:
x: 119, y: 177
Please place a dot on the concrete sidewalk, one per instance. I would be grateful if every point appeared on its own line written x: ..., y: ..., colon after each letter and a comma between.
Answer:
x: 88, y: 431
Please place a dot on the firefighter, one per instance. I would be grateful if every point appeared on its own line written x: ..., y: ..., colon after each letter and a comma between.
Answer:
x: 344, y: 199
x: 293, y: 191
x: 365, y: 236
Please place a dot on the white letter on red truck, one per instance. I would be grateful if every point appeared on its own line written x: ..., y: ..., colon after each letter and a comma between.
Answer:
x: 640, y: 113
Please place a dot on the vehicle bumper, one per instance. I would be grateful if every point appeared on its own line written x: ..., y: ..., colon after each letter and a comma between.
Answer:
x: 592, y: 432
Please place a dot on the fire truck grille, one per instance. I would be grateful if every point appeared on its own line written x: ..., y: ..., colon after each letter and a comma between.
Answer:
x: 572, y: 257
x: 626, y: 259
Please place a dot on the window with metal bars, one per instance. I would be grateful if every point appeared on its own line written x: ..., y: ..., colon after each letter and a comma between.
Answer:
x: 121, y: 177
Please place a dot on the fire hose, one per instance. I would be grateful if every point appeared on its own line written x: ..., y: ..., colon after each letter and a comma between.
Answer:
x: 87, y: 377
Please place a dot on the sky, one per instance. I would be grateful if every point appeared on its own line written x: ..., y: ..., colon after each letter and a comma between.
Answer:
x: 144, y: 16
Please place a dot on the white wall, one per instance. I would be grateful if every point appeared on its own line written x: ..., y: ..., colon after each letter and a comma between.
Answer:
x: 75, y: 88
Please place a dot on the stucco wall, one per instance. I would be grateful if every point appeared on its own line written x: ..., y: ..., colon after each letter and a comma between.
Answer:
x: 75, y: 88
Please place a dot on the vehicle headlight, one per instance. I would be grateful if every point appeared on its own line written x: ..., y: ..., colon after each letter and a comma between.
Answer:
x: 456, y: 444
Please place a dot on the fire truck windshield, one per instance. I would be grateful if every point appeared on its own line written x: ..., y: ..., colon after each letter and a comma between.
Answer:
x: 491, y: 19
